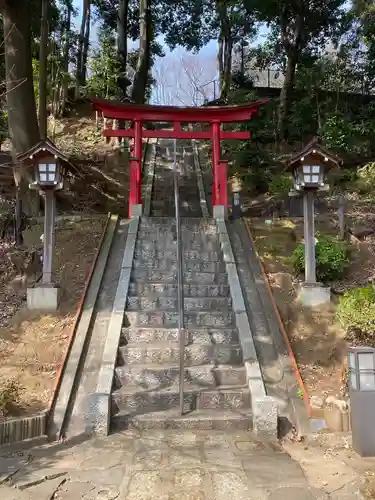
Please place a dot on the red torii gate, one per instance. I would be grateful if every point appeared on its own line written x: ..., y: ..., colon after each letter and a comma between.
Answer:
x: 141, y: 114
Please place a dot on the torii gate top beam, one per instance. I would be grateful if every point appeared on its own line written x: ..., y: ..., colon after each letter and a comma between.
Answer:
x: 151, y: 113
x: 215, y: 116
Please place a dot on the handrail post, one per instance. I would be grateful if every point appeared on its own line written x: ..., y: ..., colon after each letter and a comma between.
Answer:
x: 180, y: 281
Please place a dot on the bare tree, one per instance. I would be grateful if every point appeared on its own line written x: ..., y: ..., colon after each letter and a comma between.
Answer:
x: 163, y: 92
x: 193, y: 77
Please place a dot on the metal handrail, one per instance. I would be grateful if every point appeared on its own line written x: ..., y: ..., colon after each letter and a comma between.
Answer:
x: 180, y: 280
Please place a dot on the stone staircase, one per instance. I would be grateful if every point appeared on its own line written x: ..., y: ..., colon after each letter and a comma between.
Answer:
x: 146, y: 385
x: 162, y: 203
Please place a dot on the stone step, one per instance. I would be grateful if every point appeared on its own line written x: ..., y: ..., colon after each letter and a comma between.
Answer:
x: 192, y: 223
x: 170, y: 319
x: 161, y: 212
x: 159, y: 201
x: 187, y: 244
x: 171, y: 289
x: 167, y: 222
x: 170, y: 235
x: 172, y: 254
x: 188, y: 187
x: 169, y: 211
x: 214, y: 336
x: 141, y: 402
x: 169, y: 353
x: 190, y: 303
x: 221, y: 420
x: 156, y: 377
x: 188, y: 264
x: 145, y: 274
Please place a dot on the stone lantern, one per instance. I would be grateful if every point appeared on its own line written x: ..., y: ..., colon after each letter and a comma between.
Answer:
x: 48, y: 167
x: 309, y: 168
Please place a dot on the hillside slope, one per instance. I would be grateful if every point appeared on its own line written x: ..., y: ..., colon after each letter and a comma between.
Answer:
x: 104, y: 167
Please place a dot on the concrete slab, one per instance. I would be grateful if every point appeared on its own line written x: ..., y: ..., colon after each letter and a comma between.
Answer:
x: 220, y: 212
x: 265, y: 409
x: 71, y: 368
x: 235, y: 288
x: 198, y: 171
x: 7, y: 493
x: 47, y: 489
x: 169, y: 465
x: 136, y: 210
x: 265, y: 416
x: 314, y: 294
x: 43, y: 298
x: 102, y: 407
x: 149, y: 180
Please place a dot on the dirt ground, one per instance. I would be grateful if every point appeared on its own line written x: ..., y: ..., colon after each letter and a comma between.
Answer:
x: 32, y: 346
x: 330, y: 463
x: 317, y: 338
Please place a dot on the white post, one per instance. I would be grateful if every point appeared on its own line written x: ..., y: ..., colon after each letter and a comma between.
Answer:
x: 342, y: 216
x: 309, y: 230
x: 49, y: 235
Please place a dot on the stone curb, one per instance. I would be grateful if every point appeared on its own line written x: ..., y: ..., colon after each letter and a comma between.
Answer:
x: 101, y: 409
x: 264, y: 408
x: 198, y: 171
x: 149, y: 181
x: 60, y: 408
x: 15, y: 430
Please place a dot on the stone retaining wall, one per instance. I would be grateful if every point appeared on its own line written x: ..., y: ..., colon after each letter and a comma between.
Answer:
x: 13, y: 430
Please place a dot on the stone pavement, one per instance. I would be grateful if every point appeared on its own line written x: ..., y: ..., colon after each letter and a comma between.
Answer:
x: 162, y: 465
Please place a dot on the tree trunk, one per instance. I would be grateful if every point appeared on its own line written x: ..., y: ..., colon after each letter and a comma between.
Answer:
x: 220, y: 59
x: 225, y: 49
x: 227, y: 64
x: 22, y: 117
x: 43, y: 54
x: 292, y: 50
x: 286, y: 96
x: 122, y: 48
x: 144, y: 56
x: 86, y: 43
x: 81, y: 41
x: 65, y: 90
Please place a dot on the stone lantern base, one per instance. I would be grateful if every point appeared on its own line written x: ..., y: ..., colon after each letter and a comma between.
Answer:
x: 314, y: 294
x: 43, y: 297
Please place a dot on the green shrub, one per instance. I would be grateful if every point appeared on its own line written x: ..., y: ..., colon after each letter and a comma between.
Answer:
x: 366, y: 177
x: 356, y: 310
x: 280, y: 184
x: 9, y: 394
x: 332, y: 258
x: 344, y: 179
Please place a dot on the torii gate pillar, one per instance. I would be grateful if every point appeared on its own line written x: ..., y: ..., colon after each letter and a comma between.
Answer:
x: 215, y: 160
x: 135, y: 189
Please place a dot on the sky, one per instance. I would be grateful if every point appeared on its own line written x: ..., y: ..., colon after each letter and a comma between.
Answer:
x: 207, y: 53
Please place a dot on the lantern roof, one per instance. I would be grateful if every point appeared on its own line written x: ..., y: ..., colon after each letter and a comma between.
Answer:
x: 42, y: 148
x: 314, y: 151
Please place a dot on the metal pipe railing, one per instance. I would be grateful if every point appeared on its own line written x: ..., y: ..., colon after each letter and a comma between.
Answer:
x: 180, y: 280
